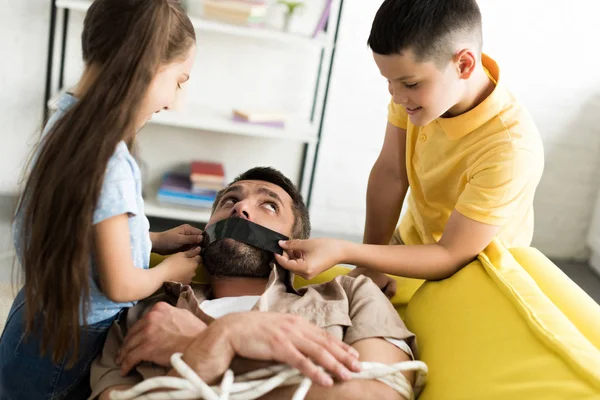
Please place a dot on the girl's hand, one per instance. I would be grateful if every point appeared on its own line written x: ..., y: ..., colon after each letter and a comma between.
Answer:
x: 181, y: 267
x: 176, y: 240
x: 308, y: 258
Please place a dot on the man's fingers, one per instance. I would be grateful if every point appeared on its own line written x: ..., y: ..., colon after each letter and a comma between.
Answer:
x: 130, y: 344
x: 323, y: 356
x: 344, y: 354
x: 132, y: 359
x: 302, y: 363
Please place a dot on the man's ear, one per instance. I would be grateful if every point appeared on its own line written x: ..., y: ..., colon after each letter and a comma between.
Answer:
x: 465, y: 62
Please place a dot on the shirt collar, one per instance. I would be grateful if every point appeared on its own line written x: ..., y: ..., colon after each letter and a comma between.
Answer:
x: 461, y: 125
x: 66, y: 101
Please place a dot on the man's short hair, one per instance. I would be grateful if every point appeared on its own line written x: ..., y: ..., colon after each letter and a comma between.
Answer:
x: 430, y: 28
x: 301, y: 228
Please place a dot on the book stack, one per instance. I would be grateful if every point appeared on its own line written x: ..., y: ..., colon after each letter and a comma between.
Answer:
x: 237, y: 12
x: 206, y: 175
x: 274, y: 120
x: 197, y: 189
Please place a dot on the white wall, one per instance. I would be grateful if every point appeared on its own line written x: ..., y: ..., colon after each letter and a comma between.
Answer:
x: 23, y: 48
x: 546, y: 51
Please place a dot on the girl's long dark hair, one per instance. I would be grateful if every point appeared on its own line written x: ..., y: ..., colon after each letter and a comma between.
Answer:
x: 126, y: 41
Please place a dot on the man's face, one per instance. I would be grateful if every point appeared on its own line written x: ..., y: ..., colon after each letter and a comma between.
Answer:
x: 264, y: 204
x: 425, y: 90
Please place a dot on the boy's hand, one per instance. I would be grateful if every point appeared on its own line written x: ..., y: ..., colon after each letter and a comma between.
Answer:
x: 176, y: 240
x: 308, y: 258
x: 387, y: 284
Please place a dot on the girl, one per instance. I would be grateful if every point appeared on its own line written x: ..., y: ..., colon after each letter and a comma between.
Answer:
x: 80, y: 232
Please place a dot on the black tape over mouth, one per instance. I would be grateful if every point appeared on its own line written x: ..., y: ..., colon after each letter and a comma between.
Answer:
x: 245, y: 231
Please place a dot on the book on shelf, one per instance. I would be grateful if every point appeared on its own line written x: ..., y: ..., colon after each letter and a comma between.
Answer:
x: 177, y: 189
x: 237, y: 12
x: 276, y: 120
x: 208, y: 172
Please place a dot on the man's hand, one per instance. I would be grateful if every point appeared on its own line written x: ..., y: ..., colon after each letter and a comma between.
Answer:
x: 160, y: 333
x: 387, y: 284
x: 176, y: 240
x: 265, y: 336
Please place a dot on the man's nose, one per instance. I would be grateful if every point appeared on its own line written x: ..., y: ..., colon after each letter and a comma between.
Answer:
x: 241, y: 209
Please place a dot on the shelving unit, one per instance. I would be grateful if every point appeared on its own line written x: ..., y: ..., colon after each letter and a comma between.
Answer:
x: 212, y: 118
x: 215, y: 26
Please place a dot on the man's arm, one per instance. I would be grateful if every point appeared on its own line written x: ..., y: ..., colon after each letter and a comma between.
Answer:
x: 374, y: 350
x: 264, y: 336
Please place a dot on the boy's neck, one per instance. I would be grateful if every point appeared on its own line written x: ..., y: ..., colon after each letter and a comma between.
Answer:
x: 478, y: 88
x: 237, y: 286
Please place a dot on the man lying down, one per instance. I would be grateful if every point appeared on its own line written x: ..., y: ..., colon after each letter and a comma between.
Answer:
x: 250, y: 316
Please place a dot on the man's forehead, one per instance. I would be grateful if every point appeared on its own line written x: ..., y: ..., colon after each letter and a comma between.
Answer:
x: 256, y: 186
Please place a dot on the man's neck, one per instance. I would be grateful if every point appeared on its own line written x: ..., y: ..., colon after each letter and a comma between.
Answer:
x: 237, y: 286
x: 479, y: 87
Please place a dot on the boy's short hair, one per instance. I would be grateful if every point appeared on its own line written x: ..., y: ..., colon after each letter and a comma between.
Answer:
x: 301, y: 228
x: 427, y: 27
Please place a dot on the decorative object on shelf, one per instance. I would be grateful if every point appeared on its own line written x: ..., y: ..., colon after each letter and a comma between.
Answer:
x: 322, y: 24
x: 292, y: 6
x: 274, y: 120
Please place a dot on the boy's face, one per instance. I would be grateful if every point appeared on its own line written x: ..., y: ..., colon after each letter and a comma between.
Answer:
x: 425, y: 90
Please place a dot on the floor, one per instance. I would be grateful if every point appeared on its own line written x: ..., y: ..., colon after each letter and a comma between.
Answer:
x: 579, y: 272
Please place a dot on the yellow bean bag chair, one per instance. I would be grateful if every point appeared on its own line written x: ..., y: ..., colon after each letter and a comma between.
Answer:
x: 510, y: 325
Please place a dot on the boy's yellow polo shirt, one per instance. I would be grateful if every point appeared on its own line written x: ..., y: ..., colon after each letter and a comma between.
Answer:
x: 485, y: 163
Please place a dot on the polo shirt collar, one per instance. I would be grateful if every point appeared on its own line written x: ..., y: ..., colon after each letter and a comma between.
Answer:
x: 461, y: 125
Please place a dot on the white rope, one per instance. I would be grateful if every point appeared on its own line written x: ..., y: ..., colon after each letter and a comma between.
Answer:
x: 257, y: 383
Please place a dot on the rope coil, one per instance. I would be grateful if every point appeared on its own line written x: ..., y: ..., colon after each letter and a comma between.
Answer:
x: 257, y: 383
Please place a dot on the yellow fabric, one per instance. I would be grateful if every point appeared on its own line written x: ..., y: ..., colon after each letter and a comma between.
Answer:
x: 491, y: 332
x: 580, y: 308
x: 485, y: 163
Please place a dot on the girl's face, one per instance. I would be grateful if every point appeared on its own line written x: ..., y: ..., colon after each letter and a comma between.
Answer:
x: 163, y: 90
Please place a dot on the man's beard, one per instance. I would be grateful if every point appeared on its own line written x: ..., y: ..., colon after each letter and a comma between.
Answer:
x: 231, y: 258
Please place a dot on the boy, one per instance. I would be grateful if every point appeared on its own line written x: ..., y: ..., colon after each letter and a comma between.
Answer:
x: 468, y: 150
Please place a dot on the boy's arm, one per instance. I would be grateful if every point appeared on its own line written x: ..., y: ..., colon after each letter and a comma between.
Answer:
x: 388, y: 184
x: 462, y: 241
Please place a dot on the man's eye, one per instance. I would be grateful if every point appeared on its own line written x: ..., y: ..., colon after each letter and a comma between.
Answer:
x: 411, y: 86
x: 272, y: 206
x: 229, y: 201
